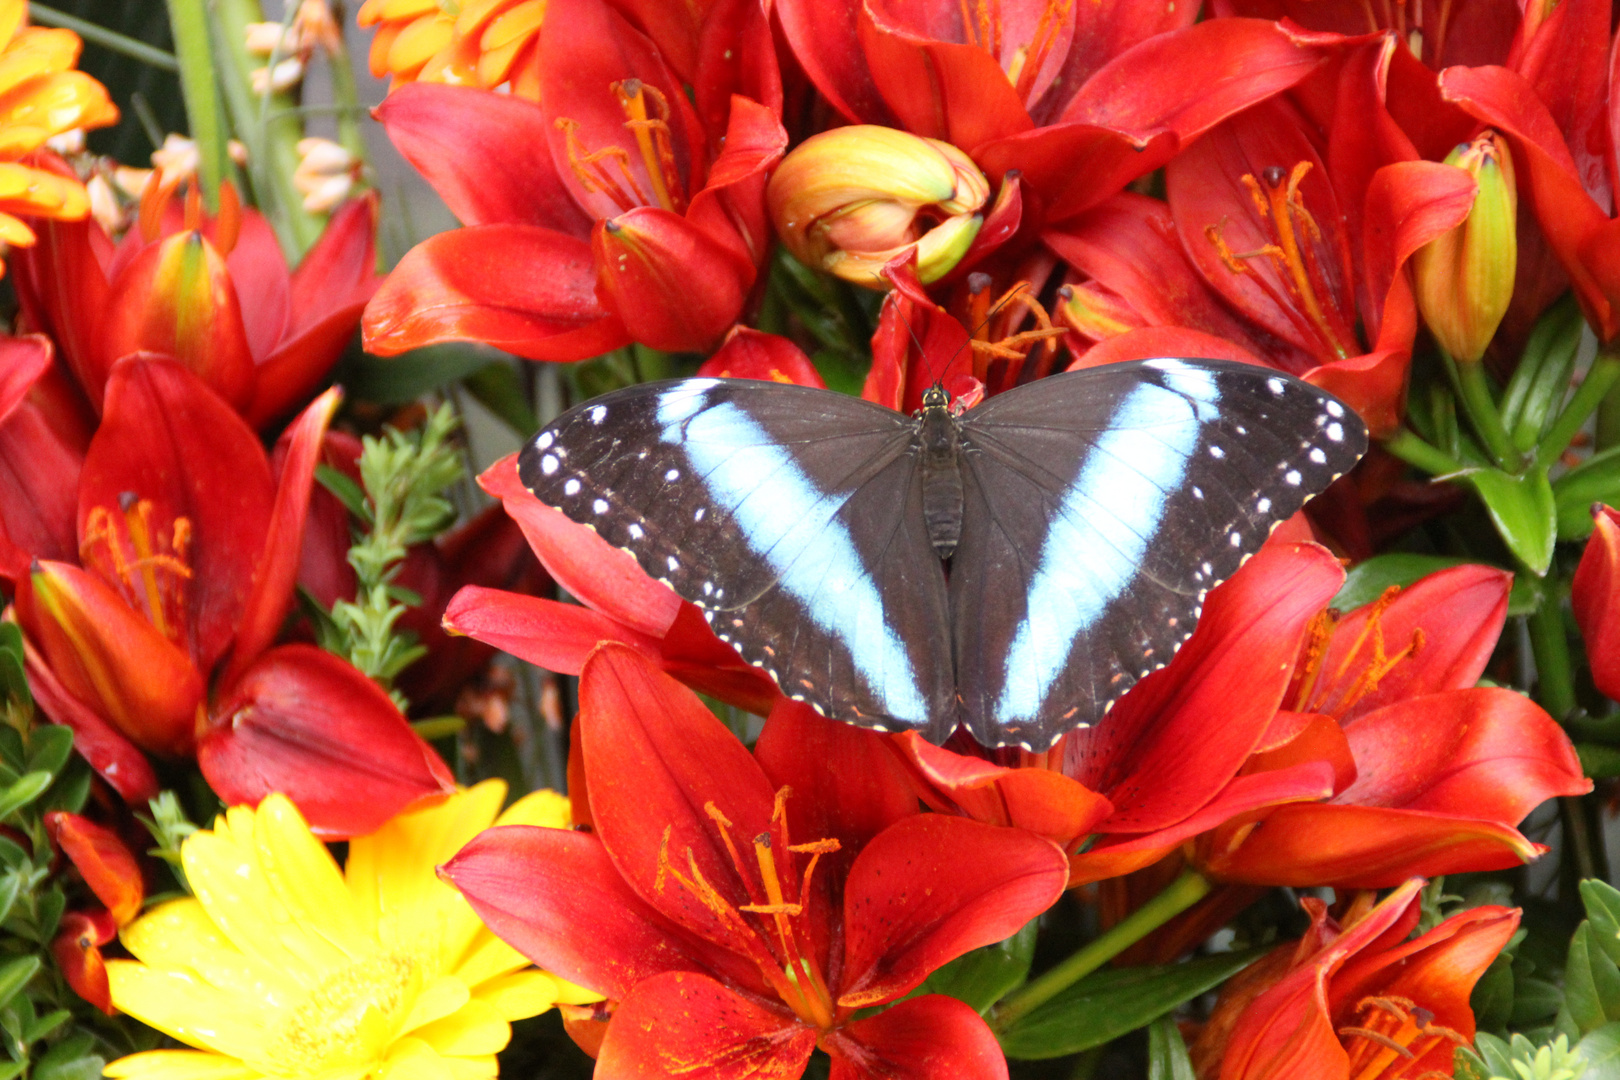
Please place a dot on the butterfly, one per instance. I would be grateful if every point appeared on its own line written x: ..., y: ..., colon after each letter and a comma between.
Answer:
x: 1013, y: 568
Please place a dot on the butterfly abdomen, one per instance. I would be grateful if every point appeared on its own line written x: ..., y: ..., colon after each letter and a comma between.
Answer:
x: 941, y: 478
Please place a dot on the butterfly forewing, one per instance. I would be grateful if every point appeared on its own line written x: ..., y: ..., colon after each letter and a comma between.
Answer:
x: 1100, y: 508
x: 791, y: 516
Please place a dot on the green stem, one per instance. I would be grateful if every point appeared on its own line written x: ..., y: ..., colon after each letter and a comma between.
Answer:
x: 199, y: 82
x: 1555, y: 674
x: 111, y: 40
x: 1600, y: 379
x: 1407, y: 446
x: 1480, y: 402
x: 1177, y: 897
x: 346, y: 102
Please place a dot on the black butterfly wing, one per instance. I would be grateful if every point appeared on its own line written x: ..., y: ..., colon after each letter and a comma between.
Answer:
x: 791, y: 516
x: 1100, y: 507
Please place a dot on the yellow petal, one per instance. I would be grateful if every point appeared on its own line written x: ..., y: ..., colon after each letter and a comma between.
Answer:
x: 38, y: 52
x: 418, y: 42
x: 14, y: 232
x: 544, y: 807
x: 520, y: 994
x: 475, y: 1028
x: 180, y: 1065
x: 186, y: 1007
x: 11, y: 18
x: 307, y: 880
x: 489, y: 958
x: 180, y: 936
x: 437, y: 1000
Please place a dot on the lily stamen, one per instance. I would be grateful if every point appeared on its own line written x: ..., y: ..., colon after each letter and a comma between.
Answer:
x: 1390, y: 1029
x: 1367, y: 650
x: 592, y: 172
x: 151, y: 578
x: 653, y: 138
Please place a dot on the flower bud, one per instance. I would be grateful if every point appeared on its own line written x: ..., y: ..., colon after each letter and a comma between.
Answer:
x: 849, y: 200
x: 1464, y: 277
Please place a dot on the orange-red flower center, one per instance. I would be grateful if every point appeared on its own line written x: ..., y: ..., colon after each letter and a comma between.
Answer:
x: 149, y: 568
x: 1361, y: 668
x: 773, y: 929
x: 646, y: 113
x: 982, y: 26
x: 995, y: 336
x: 1390, y: 1034
x: 1298, y: 250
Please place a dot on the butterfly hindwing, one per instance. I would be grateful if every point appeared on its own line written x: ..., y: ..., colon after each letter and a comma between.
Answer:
x: 787, y: 515
x: 1101, y: 506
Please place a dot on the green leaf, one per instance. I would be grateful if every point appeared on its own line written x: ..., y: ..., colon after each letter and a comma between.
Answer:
x: 9, y: 1069
x: 1534, y: 1001
x: 345, y: 489
x: 14, y: 975
x: 1523, y: 511
x: 1597, y: 760
x: 11, y: 749
x: 72, y: 788
x: 1602, y: 903
x: 1167, y: 1053
x: 1492, y: 999
x: 10, y: 888
x: 1368, y: 579
x: 499, y: 389
x: 1541, y: 380
x: 70, y: 1059
x: 984, y: 976
x: 13, y: 681
x: 1595, y: 480
x: 400, y: 380
x: 1106, y: 1005
x: 1601, y: 1049
x: 46, y: 1024
x: 49, y: 747
x: 1591, y: 983
x: 24, y: 791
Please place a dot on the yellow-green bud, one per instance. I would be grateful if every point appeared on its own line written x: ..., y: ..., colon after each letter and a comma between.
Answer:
x: 1464, y: 278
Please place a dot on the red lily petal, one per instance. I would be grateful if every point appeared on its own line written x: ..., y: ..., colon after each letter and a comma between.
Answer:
x: 1408, y: 204
x: 176, y: 298
x: 521, y: 288
x: 932, y: 1037
x: 78, y: 956
x: 258, y: 272
x: 693, y: 654
x: 1159, y: 758
x: 685, y: 1023
x: 277, y: 564
x: 1457, y: 614
x: 109, y: 658
x: 1594, y: 594
x: 826, y: 42
x: 1075, y: 166
x: 536, y: 887
x: 981, y: 883
x: 1154, y: 341
x: 736, y: 58
x: 580, y: 561
x: 1483, y: 752
x: 62, y: 288
x: 342, y: 262
x: 487, y: 155
x: 846, y: 783
x: 1566, y: 59
x: 749, y: 354
x: 1044, y: 802
x: 114, y: 757
x: 1101, y: 33
x: 1373, y: 384
x: 731, y: 207
x: 105, y: 861
x: 586, y: 49
x: 174, y: 444
x: 307, y: 724
x: 42, y: 449
x: 654, y: 759
x: 944, y: 89
x: 556, y: 636
x: 1367, y: 847
x: 672, y: 284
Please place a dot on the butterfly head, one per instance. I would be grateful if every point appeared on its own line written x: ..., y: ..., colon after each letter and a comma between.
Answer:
x: 935, y: 397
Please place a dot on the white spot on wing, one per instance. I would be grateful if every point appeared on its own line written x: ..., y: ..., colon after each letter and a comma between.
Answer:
x: 636, y: 532
x: 571, y: 487
x: 600, y: 506
x: 548, y: 464
x: 1292, y: 477
x: 599, y: 414
x: 545, y: 440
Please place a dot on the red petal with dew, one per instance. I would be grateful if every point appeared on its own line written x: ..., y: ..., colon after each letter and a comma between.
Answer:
x: 683, y: 1023
x: 673, y: 285
x: 932, y: 1037
x: 553, y: 635
x: 749, y: 354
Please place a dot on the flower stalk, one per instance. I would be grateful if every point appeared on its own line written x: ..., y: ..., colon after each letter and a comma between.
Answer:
x: 199, y: 83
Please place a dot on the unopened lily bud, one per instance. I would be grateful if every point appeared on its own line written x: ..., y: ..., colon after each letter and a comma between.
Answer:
x: 1464, y: 277
x: 851, y: 199
x: 1094, y: 312
x: 283, y: 76
x: 325, y: 175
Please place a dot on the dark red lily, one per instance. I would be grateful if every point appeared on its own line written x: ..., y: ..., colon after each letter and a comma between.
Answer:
x: 1312, y: 259
x: 615, y: 210
x: 214, y: 293
x: 1357, y: 998
x: 110, y: 870
x: 744, y: 910
x: 160, y: 639
x: 44, y: 430
x: 1595, y: 595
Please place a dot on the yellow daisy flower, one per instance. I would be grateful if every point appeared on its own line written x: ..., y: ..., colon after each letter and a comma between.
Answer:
x: 282, y: 965
x: 481, y: 43
x: 41, y: 96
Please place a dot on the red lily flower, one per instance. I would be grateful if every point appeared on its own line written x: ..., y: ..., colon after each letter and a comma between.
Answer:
x: 1594, y: 593
x: 110, y: 870
x: 161, y: 639
x: 1079, y: 100
x: 620, y: 603
x: 739, y: 964
x: 1305, y: 255
x: 1433, y: 772
x: 43, y: 435
x: 1357, y: 999
x: 77, y: 951
x: 213, y: 293
x: 614, y: 210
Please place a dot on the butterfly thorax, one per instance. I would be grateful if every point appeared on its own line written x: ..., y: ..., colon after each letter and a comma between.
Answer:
x: 938, y: 442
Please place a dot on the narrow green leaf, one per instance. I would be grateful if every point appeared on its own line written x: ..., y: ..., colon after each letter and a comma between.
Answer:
x: 9, y: 1069
x: 49, y: 747
x: 1534, y: 1001
x: 1106, y: 1005
x: 18, y: 795
x: 1167, y: 1053
x: 14, y: 975
x: 1597, y: 760
x: 70, y: 1059
x: 1541, y: 380
x: 13, y: 681
x: 72, y: 788
x: 984, y: 976
x: 1591, y: 983
x: 1602, y: 903
x: 345, y: 489
x: 10, y: 888
x: 499, y: 389
x: 1523, y: 511
x: 12, y: 755
x: 399, y: 380
x: 46, y: 1024
x: 1492, y: 1000
x: 1595, y: 480
x: 1601, y: 1049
